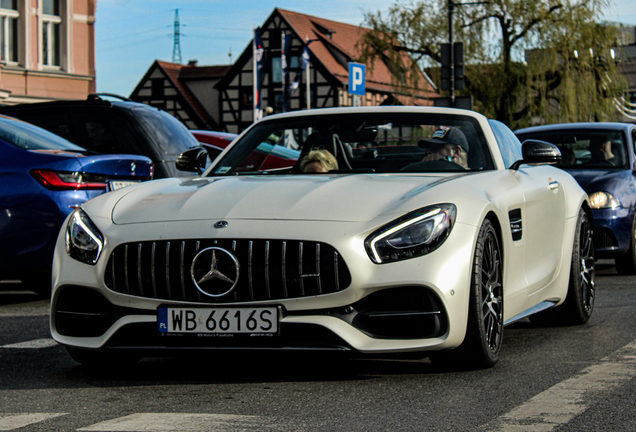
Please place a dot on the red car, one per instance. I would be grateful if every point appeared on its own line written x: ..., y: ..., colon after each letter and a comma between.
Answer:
x: 214, y: 142
x: 266, y: 156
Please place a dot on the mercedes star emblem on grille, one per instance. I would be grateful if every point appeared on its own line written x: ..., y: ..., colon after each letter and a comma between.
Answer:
x: 215, y: 271
x: 220, y: 224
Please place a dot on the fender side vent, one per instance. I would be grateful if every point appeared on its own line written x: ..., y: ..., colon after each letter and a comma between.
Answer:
x: 515, y: 224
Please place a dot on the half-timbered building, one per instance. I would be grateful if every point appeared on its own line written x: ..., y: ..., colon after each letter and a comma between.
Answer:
x: 185, y: 91
x: 332, y: 46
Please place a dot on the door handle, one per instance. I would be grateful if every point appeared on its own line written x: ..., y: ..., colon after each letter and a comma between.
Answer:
x: 554, y: 185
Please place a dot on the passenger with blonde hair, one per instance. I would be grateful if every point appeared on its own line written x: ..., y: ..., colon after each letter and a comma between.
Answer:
x: 318, y: 161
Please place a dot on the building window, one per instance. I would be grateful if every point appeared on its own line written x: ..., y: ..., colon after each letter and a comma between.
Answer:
x: 51, y: 24
x: 277, y: 70
x: 9, y: 16
x: 246, y: 94
x: 157, y: 89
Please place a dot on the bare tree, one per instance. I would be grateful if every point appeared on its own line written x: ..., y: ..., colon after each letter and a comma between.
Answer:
x: 525, y: 61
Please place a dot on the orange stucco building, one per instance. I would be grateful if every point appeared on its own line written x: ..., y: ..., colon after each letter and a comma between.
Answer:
x: 47, y: 50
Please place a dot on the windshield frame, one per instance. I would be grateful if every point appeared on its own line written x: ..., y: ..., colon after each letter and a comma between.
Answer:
x: 228, y: 163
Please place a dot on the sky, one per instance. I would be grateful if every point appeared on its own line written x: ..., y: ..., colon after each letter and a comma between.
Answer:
x: 131, y: 34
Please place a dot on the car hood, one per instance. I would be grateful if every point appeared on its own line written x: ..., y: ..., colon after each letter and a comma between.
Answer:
x: 612, y: 180
x: 349, y: 198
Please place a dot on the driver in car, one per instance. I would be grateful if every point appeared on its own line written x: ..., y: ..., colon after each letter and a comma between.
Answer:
x: 601, y: 150
x: 447, y: 143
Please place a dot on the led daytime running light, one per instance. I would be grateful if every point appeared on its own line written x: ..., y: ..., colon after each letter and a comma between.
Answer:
x: 398, y: 228
x: 71, y: 245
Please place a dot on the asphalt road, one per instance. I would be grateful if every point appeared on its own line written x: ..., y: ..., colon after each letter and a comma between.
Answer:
x: 561, y: 379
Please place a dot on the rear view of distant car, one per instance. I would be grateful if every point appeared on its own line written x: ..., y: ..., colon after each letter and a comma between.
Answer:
x: 44, y: 178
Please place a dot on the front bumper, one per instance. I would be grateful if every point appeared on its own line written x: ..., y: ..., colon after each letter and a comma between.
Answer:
x: 413, y: 305
x: 85, y: 318
x: 612, y: 232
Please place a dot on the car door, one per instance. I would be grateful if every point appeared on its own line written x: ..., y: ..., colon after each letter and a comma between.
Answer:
x: 541, y: 215
x: 543, y: 220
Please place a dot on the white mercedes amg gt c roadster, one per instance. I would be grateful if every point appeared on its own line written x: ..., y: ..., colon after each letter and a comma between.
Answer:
x: 370, y: 231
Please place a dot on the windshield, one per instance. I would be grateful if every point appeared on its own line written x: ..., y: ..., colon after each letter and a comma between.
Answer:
x: 30, y: 137
x: 369, y: 142
x: 171, y: 135
x: 586, y: 148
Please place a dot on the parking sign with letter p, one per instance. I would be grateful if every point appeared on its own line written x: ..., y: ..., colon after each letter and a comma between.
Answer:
x: 357, y: 79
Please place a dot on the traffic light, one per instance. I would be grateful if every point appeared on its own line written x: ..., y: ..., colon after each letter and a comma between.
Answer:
x: 452, y: 65
x: 458, y: 59
x: 447, y: 63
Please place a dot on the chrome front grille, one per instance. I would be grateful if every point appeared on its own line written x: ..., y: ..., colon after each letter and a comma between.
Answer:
x: 269, y: 269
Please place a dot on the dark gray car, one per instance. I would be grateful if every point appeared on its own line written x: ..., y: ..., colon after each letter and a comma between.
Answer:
x: 120, y: 126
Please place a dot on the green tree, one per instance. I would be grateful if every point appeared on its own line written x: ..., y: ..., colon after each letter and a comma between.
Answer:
x: 525, y: 61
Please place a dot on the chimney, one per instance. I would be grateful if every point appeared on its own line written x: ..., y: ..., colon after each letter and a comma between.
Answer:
x: 193, y: 63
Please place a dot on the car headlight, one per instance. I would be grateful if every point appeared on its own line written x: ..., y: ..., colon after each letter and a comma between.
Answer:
x: 84, y: 242
x: 604, y: 200
x: 412, y: 235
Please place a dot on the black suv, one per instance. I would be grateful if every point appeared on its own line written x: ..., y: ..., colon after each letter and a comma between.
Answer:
x: 113, y: 126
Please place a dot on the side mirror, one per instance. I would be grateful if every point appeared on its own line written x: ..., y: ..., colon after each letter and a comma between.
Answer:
x: 538, y: 152
x: 192, y: 160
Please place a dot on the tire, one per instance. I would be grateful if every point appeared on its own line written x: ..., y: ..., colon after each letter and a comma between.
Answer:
x: 579, y: 302
x: 484, y: 331
x: 105, y: 360
x: 626, y: 263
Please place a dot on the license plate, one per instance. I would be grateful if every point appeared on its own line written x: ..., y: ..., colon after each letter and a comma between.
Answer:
x: 257, y: 321
x: 113, y: 185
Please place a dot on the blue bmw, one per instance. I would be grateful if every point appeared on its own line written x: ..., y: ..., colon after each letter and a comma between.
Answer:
x: 43, y: 177
x: 600, y: 156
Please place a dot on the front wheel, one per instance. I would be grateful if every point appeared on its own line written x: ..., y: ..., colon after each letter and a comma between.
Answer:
x: 484, y: 330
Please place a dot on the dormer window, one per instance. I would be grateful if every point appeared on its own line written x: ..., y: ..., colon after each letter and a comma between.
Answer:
x: 324, y: 30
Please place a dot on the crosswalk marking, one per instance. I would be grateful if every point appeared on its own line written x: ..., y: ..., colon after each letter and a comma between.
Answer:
x: 33, y: 344
x: 164, y: 422
x: 562, y: 402
x: 14, y: 421
x: 544, y: 412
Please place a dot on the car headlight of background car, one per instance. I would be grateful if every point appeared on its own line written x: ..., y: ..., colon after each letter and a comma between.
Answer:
x: 604, y: 200
x: 412, y: 235
x: 84, y: 242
